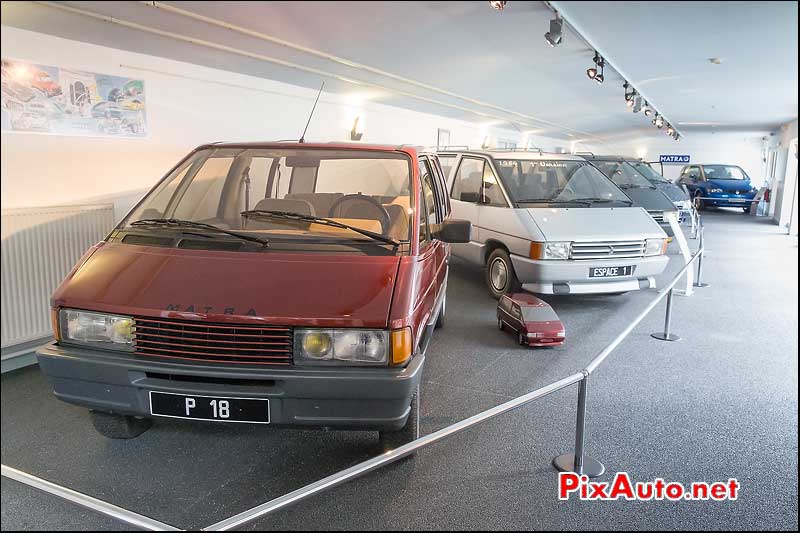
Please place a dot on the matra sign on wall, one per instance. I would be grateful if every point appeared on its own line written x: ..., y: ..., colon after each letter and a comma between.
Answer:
x: 674, y: 159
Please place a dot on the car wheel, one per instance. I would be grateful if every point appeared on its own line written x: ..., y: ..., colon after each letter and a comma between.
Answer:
x: 390, y: 440
x: 522, y: 339
x: 500, y: 275
x: 699, y: 204
x: 500, y: 325
x: 440, y: 318
x: 119, y: 426
x: 747, y: 210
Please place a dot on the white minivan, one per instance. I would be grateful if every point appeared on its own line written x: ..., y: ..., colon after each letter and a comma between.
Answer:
x: 551, y: 224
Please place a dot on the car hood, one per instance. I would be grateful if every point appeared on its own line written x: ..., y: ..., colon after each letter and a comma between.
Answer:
x: 595, y: 224
x: 272, y: 287
x: 731, y: 185
x: 674, y: 192
x: 650, y: 199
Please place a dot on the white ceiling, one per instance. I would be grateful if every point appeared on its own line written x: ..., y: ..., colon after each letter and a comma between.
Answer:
x: 499, y: 60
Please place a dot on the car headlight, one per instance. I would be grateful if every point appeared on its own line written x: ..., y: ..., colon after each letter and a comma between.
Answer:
x: 342, y: 346
x: 550, y: 250
x: 714, y: 191
x: 655, y: 247
x: 98, y: 330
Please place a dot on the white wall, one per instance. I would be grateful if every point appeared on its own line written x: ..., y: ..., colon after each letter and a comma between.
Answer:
x: 188, y: 105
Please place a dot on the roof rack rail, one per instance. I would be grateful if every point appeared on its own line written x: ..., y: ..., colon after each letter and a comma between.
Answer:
x: 528, y: 149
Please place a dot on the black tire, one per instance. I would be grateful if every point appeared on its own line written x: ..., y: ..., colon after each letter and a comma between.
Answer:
x: 119, y: 426
x: 747, y: 210
x: 500, y: 275
x: 699, y: 204
x: 440, y: 319
x: 500, y: 325
x: 390, y: 440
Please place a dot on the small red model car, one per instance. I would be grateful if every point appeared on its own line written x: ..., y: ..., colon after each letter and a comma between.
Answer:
x: 534, y: 321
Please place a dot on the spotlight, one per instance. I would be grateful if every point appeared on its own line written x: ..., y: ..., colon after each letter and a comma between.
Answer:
x: 647, y: 110
x: 677, y: 137
x: 592, y: 71
x: 658, y: 122
x: 553, y: 37
x: 498, y: 5
x: 670, y: 131
x: 600, y: 78
x: 630, y: 102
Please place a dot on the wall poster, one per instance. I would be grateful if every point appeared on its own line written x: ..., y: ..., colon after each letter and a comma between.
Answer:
x: 46, y: 99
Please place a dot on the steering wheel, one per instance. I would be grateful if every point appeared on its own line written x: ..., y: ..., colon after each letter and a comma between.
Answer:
x: 381, y: 214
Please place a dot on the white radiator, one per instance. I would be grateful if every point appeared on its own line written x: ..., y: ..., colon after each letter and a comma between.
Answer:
x: 39, y: 247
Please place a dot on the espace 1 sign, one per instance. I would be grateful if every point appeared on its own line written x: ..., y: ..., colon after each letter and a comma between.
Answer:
x: 674, y: 159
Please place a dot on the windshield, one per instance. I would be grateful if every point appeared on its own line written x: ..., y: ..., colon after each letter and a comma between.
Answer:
x: 529, y: 181
x: 538, y: 314
x: 624, y: 175
x: 724, y: 172
x: 647, y: 171
x: 367, y: 190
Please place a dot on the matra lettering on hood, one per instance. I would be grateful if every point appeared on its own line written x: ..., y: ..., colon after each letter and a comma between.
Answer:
x: 207, y: 309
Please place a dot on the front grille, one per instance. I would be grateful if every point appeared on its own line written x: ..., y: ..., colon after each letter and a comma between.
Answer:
x: 213, y: 343
x: 607, y: 250
x: 658, y: 216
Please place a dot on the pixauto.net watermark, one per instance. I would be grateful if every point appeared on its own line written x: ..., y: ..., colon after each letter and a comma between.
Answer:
x: 581, y: 487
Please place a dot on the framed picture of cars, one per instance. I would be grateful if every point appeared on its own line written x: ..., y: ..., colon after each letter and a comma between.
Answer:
x: 47, y: 99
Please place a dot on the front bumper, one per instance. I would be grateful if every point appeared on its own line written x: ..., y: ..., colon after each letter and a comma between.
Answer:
x: 572, y: 277
x: 729, y: 200
x: 354, y: 398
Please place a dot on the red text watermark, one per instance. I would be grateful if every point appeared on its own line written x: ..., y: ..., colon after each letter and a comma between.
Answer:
x: 571, y: 484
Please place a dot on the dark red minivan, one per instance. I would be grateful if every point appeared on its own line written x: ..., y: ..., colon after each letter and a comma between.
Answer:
x: 266, y: 283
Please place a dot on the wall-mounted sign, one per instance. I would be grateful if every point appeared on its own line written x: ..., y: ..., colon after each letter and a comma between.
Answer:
x: 44, y: 99
x: 674, y: 159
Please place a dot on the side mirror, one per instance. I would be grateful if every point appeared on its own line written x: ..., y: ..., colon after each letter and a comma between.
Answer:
x: 454, y: 231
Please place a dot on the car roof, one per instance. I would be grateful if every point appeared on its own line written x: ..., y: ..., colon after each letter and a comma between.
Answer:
x: 528, y: 300
x: 525, y: 155
x: 593, y: 157
x: 319, y: 145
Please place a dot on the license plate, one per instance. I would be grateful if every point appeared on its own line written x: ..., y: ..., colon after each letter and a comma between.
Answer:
x: 216, y: 408
x: 611, y: 272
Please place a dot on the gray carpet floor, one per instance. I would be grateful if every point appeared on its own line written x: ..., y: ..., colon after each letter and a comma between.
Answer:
x: 720, y: 404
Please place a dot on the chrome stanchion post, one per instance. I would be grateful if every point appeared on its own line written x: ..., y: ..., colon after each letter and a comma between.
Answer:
x: 577, y: 462
x: 666, y: 335
x: 699, y: 282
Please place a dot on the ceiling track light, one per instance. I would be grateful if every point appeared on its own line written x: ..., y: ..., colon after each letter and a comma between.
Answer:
x: 658, y: 121
x: 647, y: 110
x: 592, y: 72
x: 498, y: 5
x: 555, y: 35
x: 670, y: 130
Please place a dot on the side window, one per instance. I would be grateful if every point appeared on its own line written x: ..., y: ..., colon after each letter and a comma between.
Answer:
x: 505, y: 304
x: 491, y: 188
x: 201, y: 199
x: 427, y: 210
x: 447, y: 161
x: 516, y: 311
x: 467, y: 183
x: 693, y: 173
x: 441, y: 189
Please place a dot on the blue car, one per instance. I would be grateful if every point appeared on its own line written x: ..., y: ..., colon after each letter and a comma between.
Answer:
x: 718, y: 186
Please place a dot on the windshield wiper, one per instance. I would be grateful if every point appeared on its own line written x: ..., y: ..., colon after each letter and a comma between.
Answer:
x: 179, y: 223
x: 253, y: 213
x: 634, y: 186
x: 604, y: 200
x: 553, y: 201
